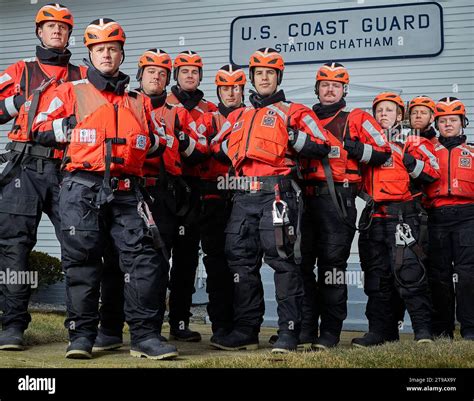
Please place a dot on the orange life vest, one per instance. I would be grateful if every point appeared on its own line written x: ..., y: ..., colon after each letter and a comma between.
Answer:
x: 212, y: 168
x: 389, y: 182
x: 456, y: 185
x: 170, y: 160
x: 261, y: 134
x: 33, y: 77
x: 104, y: 129
x: 343, y: 168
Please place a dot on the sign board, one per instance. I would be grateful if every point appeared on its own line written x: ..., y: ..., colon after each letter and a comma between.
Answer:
x: 362, y: 33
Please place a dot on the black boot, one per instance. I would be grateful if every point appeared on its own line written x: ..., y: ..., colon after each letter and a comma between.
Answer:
x: 153, y: 348
x: 220, y: 332
x: 368, y: 340
x: 235, y: 341
x: 306, y: 340
x: 468, y: 335
x: 106, y: 342
x: 286, y: 343
x: 185, y: 334
x: 423, y: 336
x: 80, y: 348
x: 11, y: 339
x: 326, y: 340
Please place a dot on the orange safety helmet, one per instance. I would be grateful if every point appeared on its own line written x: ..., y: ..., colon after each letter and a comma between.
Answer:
x: 391, y: 97
x: 54, y: 12
x: 448, y: 106
x: 332, y: 72
x: 156, y: 57
x: 267, y: 57
x: 422, y: 100
x: 230, y: 75
x: 187, y: 57
x: 104, y: 30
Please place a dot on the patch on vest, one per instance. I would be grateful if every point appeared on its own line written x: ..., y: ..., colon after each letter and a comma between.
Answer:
x: 388, y: 163
x: 465, y: 162
x: 237, y: 126
x: 141, y: 142
x: 335, y: 152
x: 87, y: 135
x: 268, y: 121
x: 27, y: 105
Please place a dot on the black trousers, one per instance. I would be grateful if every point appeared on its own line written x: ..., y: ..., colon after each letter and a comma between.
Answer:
x: 86, y: 229
x: 451, y: 267
x: 250, y: 235
x: 185, y: 259
x: 378, y: 254
x: 32, y: 190
x: 215, y: 212
x: 328, y: 239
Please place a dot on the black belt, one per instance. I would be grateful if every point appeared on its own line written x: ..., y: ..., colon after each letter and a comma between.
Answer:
x: 32, y: 149
x: 399, y: 208
x: 267, y: 184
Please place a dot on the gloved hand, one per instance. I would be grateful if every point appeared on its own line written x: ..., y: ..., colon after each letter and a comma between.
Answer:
x: 183, y: 141
x: 355, y: 149
x: 71, y: 122
x: 409, y: 162
x: 19, y: 100
x: 292, y: 135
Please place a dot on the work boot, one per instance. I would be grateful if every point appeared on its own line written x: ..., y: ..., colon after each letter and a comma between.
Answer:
x: 368, y: 340
x: 468, y: 335
x: 423, y: 336
x: 235, y: 341
x: 326, y: 340
x: 306, y: 341
x: 220, y: 332
x: 286, y: 343
x: 153, y: 348
x: 104, y: 342
x: 11, y: 339
x: 186, y: 335
x: 80, y: 348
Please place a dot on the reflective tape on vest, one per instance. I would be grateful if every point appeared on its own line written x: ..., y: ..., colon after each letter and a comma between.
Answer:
x: 300, y: 141
x: 10, y: 106
x: 313, y: 127
x: 374, y: 133
x: 55, y: 104
x: 418, y: 169
x: 431, y: 156
x: 367, y: 154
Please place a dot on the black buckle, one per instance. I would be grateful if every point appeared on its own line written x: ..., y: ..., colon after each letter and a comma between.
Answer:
x: 114, y: 183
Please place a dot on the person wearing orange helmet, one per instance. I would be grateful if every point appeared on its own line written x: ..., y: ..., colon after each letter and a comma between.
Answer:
x: 163, y: 182
x: 108, y: 133
x: 331, y: 187
x: 421, y: 111
x: 23, y: 86
x: 188, y: 73
x: 263, y: 142
x: 391, y: 255
x: 215, y: 201
x: 450, y: 205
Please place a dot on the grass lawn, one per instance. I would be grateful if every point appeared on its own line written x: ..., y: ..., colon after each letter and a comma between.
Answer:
x: 47, y: 341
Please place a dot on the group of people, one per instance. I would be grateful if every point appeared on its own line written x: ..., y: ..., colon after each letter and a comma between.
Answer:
x: 131, y: 180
